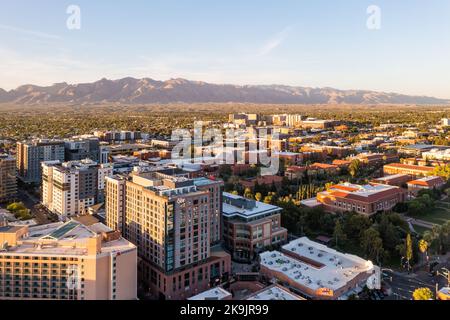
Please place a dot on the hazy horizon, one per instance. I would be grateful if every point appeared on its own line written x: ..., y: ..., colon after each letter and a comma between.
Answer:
x: 214, y: 83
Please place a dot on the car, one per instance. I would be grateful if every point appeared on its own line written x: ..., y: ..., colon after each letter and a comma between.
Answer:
x: 380, y: 294
x: 433, y: 265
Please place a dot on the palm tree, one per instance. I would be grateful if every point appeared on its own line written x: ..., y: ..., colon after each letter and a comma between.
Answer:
x: 423, y: 248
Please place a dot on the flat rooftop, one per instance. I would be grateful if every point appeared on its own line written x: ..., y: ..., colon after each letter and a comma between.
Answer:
x: 60, y: 238
x: 409, y: 167
x: 274, y: 292
x: 315, y: 265
x: 245, y: 208
x: 361, y: 190
x: 392, y: 177
x: 217, y: 293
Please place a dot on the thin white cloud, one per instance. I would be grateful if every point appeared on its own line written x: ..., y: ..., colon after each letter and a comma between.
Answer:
x: 274, y: 42
x: 30, y: 32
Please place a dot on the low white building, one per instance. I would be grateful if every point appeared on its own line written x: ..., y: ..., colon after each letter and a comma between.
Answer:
x: 316, y: 271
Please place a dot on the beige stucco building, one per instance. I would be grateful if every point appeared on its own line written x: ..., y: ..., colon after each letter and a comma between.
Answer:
x: 66, y: 261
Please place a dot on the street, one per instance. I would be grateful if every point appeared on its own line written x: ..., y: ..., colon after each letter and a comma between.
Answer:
x: 404, y: 284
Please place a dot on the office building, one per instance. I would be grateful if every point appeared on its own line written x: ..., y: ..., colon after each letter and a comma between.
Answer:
x: 31, y: 154
x: 250, y: 226
x: 8, y: 180
x: 169, y: 219
x: 215, y: 189
x: 66, y: 261
x: 80, y: 148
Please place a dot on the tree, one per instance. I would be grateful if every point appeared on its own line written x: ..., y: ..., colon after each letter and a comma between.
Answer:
x: 15, y: 207
x: 270, y: 198
x: 354, y: 167
x: 355, y: 224
x: 372, y: 244
x: 409, y: 249
x: 388, y: 232
x: 423, y: 248
x: 248, y: 193
x: 339, y: 234
x: 258, y: 196
x: 422, y: 294
x: 442, y: 171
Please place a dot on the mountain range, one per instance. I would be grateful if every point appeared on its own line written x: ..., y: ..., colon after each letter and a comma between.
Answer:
x: 146, y: 91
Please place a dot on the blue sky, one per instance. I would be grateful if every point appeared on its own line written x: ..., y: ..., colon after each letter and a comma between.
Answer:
x: 317, y: 43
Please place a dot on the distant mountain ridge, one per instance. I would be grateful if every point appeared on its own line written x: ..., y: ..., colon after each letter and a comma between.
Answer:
x: 146, y: 91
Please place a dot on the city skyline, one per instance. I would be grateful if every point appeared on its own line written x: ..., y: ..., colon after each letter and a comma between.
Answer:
x: 311, y: 44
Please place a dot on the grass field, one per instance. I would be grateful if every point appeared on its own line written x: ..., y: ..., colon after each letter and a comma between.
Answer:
x: 439, y: 214
x: 420, y: 230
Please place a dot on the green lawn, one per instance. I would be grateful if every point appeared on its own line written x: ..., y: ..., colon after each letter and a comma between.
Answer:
x: 439, y: 215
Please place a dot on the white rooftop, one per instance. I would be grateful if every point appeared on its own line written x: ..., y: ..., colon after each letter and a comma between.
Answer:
x: 68, y: 238
x: 274, y: 292
x: 333, y: 269
x: 363, y: 190
x: 428, y: 178
x: 393, y: 176
x: 212, y: 294
x: 259, y: 208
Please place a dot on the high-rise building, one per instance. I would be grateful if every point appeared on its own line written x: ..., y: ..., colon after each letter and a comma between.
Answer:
x: 83, y: 147
x: 215, y: 189
x: 115, y: 202
x: 66, y: 261
x: 250, y: 226
x: 169, y: 218
x: 31, y: 154
x: 69, y: 188
x: 8, y: 180
x: 103, y: 154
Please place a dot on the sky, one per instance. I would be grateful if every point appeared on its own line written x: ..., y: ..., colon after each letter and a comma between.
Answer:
x: 313, y: 43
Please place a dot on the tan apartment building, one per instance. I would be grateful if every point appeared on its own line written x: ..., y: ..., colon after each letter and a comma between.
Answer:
x: 8, y: 180
x: 66, y: 261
